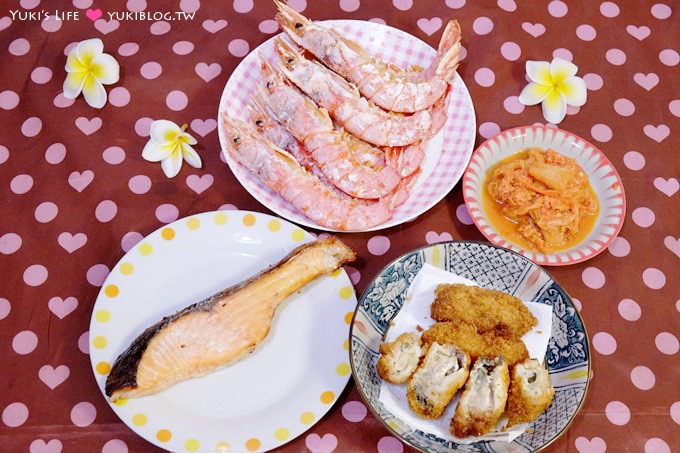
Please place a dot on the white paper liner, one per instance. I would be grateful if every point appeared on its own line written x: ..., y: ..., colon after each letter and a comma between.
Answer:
x: 414, y: 314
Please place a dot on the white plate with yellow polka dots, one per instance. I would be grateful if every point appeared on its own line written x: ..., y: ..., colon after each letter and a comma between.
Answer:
x: 265, y: 400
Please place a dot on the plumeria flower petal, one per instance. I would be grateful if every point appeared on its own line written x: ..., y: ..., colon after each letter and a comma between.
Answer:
x: 555, y: 86
x: 539, y: 72
x: 191, y: 156
x: 73, y: 85
x: 534, y: 93
x: 155, y: 153
x: 172, y: 165
x: 554, y: 107
x: 170, y: 145
x: 574, y: 91
x: 94, y: 92
x: 88, y: 69
x: 561, y: 70
x: 105, y: 68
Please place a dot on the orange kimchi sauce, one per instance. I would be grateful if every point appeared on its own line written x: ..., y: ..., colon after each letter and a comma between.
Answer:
x: 508, y: 227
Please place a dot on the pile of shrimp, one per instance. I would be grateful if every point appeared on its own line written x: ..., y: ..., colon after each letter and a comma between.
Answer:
x: 340, y: 135
x: 547, y: 194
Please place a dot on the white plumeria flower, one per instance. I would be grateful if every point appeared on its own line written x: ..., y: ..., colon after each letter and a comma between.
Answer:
x: 169, y: 144
x: 555, y: 85
x: 89, y: 69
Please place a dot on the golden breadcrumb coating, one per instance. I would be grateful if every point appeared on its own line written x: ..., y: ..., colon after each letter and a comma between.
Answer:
x: 399, y: 358
x: 483, y: 400
x: 531, y: 392
x: 476, y: 344
x: 441, y: 374
x: 486, y: 309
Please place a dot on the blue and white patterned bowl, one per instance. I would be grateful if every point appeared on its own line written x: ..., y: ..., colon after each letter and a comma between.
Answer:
x: 567, y: 356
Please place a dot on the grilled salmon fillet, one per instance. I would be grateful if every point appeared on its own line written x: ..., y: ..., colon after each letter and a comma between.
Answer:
x: 220, y: 329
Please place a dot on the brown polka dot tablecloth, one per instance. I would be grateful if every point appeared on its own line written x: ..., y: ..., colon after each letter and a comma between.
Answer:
x: 76, y: 195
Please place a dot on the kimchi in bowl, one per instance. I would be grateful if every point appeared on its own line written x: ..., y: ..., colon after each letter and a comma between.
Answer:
x: 563, y: 159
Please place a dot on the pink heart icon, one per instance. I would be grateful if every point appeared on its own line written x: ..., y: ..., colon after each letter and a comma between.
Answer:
x: 208, y: 72
x: 672, y: 244
x: 53, y: 377
x: 594, y: 445
x: 429, y: 26
x: 40, y: 446
x: 213, y: 26
x: 71, y: 242
x: 93, y: 14
x: 80, y: 181
x: 62, y: 307
x: 199, y: 184
x: 88, y: 126
x: 668, y: 186
x: 646, y: 81
x: 318, y: 444
x: 638, y: 33
x: 657, y: 133
x: 432, y: 237
x: 202, y: 127
x: 534, y: 30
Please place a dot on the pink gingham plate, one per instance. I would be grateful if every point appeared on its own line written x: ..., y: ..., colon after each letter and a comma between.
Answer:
x: 603, y: 178
x: 447, y: 154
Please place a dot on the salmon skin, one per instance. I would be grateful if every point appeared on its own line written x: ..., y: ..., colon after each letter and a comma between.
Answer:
x: 220, y: 329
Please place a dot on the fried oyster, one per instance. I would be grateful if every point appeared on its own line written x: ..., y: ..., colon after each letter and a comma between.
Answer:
x: 531, y: 392
x: 399, y: 358
x: 432, y: 387
x: 486, y: 309
x: 483, y: 400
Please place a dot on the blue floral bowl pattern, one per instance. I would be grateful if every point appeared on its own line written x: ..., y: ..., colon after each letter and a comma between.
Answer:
x: 567, y: 357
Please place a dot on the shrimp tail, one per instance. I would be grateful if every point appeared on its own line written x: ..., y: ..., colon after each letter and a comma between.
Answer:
x: 448, y: 52
x: 401, y: 193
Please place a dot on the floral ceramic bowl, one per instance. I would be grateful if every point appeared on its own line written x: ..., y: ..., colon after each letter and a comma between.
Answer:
x: 603, y: 177
x: 567, y: 355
